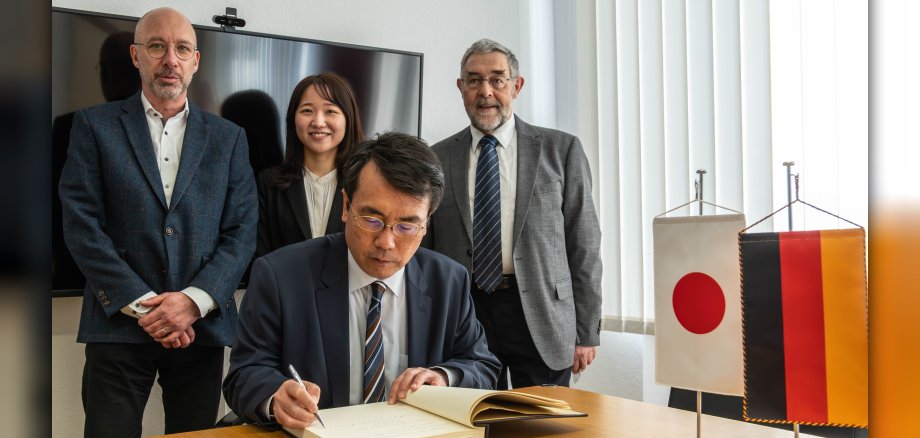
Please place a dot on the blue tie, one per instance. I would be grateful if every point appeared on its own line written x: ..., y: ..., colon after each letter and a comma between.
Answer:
x: 373, y: 347
x: 487, y: 219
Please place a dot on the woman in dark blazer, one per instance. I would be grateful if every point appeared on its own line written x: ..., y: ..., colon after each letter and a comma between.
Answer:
x: 302, y: 198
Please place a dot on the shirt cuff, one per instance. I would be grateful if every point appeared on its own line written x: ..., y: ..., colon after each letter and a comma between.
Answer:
x: 201, y: 298
x: 453, y: 375
x: 135, y: 309
x: 263, y: 411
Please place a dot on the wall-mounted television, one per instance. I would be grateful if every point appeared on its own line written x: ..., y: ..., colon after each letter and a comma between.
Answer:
x: 236, y: 67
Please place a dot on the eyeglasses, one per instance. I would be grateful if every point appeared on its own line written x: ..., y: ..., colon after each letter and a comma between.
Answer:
x: 496, y: 82
x: 158, y: 49
x: 373, y: 225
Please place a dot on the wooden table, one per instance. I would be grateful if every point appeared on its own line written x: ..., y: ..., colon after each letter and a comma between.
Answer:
x: 608, y: 416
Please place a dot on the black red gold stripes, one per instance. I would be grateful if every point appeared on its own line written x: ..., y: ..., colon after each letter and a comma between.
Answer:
x: 805, y: 327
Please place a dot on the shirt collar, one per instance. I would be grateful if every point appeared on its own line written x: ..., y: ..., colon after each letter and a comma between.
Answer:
x: 357, y: 278
x: 150, y: 111
x: 503, y: 133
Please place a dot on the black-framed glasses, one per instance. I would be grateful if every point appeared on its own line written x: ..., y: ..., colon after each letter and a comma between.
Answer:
x: 496, y: 82
x: 158, y: 49
x: 373, y: 225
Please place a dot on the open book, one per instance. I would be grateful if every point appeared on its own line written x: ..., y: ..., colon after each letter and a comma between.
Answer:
x: 436, y: 411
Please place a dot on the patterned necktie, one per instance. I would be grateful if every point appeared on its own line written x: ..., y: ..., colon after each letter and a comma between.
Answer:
x: 487, y: 219
x: 373, y: 347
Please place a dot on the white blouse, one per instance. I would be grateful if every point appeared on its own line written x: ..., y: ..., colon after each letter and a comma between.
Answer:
x: 320, y: 191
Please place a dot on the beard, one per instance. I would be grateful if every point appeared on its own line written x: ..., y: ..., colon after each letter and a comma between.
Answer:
x: 487, y: 123
x: 167, y: 91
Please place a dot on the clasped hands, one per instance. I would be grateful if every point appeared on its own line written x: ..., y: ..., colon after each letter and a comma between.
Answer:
x: 170, y: 319
x: 296, y: 408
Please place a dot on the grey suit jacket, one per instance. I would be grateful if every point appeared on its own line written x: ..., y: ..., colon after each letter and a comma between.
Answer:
x: 556, y: 241
x: 127, y: 242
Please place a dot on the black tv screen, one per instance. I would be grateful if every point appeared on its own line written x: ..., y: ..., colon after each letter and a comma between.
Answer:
x: 246, y: 77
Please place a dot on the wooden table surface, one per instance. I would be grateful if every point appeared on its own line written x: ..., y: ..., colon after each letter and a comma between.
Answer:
x: 608, y: 416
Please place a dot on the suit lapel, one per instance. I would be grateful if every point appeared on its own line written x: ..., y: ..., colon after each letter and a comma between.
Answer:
x: 135, y: 124
x: 530, y: 148
x: 459, y: 159
x: 418, y: 307
x: 333, y: 320
x: 334, y: 224
x: 193, y: 147
x: 297, y: 199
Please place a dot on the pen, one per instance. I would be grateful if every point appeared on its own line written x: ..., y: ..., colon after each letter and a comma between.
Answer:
x: 297, y: 378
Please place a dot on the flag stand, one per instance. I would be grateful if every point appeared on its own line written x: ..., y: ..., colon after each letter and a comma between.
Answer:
x: 788, y: 164
x: 699, y: 411
x: 790, y: 201
x: 698, y: 197
x: 699, y: 394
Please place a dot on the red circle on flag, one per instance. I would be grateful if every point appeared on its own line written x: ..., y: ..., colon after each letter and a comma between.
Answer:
x: 699, y: 303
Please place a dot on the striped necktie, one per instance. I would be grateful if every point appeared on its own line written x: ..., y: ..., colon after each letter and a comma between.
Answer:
x: 487, y: 219
x: 373, y: 347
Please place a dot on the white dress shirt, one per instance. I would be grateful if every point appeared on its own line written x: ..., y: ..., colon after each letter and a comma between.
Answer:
x: 506, y: 134
x: 320, y: 191
x: 167, y: 137
x: 392, y: 321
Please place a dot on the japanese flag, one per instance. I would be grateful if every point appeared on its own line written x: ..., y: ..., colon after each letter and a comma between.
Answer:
x: 698, y: 342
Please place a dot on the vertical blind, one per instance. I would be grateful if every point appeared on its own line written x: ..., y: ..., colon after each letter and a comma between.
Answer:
x: 735, y: 88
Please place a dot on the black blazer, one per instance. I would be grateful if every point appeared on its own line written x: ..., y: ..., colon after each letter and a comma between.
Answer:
x: 283, y: 216
x: 295, y: 311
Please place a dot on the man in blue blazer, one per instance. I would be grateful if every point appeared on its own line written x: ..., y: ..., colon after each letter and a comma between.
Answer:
x: 159, y: 212
x: 317, y: 305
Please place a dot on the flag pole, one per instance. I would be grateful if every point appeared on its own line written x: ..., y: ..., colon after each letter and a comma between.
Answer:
x: 699, y: 411
x: 789, y: 165
x: 699, y: 394
x: 699, y: 188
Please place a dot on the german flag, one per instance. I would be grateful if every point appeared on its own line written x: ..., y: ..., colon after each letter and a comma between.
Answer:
x: 805, y: 325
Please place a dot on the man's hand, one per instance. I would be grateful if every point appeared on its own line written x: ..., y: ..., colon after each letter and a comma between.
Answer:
x: 293, y: 407
x: 170, y: 320
x: 413, y: 378
x: 583, y: 357
x: 185, y: 339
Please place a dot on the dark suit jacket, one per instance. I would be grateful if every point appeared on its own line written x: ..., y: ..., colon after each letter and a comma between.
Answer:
x: 284, y: 216
x: 126, y: 241
x: 295, y: 311
x: 556, y: 236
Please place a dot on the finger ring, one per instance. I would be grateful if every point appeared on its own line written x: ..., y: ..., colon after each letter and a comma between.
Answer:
x: 164, y: 332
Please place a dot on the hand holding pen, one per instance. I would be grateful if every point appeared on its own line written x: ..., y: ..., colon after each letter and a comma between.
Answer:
x: 298, y: 379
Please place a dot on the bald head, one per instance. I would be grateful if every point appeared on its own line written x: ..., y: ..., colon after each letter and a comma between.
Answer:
x: 162, y: 16
x: 166, y: 54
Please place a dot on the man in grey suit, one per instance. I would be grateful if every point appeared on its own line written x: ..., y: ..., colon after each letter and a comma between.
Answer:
x: 159, y: 212
x: 518, y: 213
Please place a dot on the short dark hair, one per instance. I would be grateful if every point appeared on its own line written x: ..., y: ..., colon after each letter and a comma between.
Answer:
x: 336, y: 89
x: 405, y: 161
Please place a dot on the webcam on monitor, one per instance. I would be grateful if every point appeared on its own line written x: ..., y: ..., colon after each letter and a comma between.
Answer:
x: 229, y: 21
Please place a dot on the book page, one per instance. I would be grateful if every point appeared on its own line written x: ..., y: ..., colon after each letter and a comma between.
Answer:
x: 381, y: 420
x: 449, y: 402
x: 464, y: 404
x: 487, y: 412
